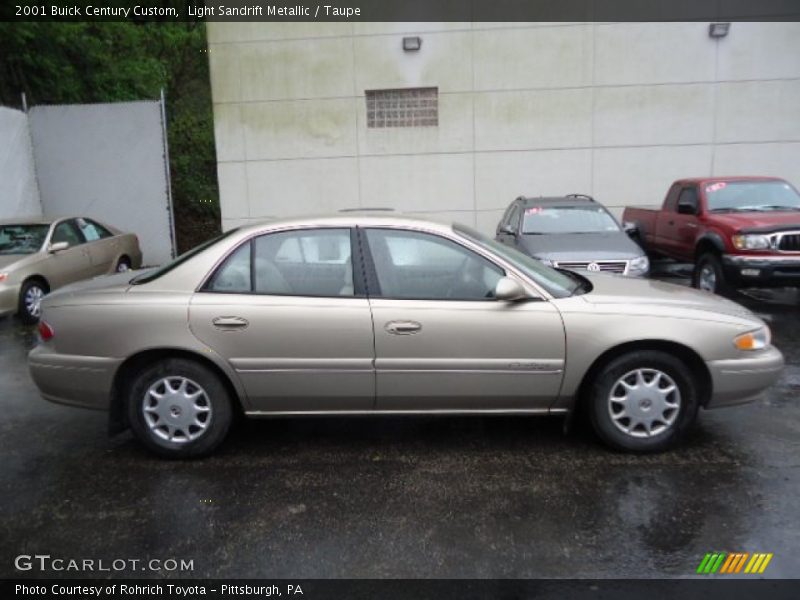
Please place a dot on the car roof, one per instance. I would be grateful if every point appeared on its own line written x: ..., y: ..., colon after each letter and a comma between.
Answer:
x: 350, y: 218
x: 28, y: 221
x: 702, y: 180
x: 572, y: 200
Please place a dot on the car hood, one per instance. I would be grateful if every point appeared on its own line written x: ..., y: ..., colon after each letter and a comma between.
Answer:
x: 580, y: 246
x: 641, y: 293
x: 756, y: 221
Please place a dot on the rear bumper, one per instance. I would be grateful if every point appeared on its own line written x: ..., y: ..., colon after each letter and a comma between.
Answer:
x: 742, y: 380
x: 9, y: 299
x: 75, y: 380
x: 762, y: 271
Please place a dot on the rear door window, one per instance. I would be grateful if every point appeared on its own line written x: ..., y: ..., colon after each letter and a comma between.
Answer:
x: 92, y: 231
x: 307, y: 262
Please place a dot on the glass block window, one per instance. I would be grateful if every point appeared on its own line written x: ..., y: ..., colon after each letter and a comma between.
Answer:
x: 409, y: 107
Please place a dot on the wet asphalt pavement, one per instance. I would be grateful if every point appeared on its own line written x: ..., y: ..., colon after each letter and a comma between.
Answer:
x: 404, y: 497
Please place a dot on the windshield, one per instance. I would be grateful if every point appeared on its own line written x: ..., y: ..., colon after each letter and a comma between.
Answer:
x: 751, y: 195
x: 558, y: 284
x: 22, y: 239
x: 153, y: 274
x: 568, y: 219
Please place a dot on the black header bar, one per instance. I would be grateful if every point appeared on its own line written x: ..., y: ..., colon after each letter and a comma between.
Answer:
x: 400, y: 10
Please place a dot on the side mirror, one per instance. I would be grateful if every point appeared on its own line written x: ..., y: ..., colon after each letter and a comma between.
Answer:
x: 509, y: 290
x: 58, y: 247
x: 630, y: 227
x: 507, y: 229
x: 687, y: 209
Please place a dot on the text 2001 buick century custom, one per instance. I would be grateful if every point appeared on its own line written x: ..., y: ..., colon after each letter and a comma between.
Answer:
x: 366, y: 314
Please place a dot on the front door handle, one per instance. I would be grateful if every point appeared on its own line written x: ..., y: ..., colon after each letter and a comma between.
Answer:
x: 403, y: 327
x: 230, y: 323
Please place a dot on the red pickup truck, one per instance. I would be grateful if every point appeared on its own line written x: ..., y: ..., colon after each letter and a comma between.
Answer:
x: 738, y: 231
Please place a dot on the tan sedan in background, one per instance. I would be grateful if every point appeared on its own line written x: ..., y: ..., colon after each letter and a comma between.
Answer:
x: 38, y: 256
x: 359, y: 314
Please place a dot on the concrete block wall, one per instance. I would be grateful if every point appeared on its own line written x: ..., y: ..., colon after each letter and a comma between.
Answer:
x: 616, y: 110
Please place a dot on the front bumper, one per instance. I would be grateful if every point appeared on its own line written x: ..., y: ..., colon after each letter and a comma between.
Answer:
x: 75, y: 380
x: 741, y: 380
x: 762, y: 271
x: 9, y: 299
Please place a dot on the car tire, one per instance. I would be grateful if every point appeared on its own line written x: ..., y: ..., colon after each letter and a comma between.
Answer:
x: 30, y: 298
x: 709, y: 275
x: 179, y: 409
x: 123, y: 265
x: 638, y: 384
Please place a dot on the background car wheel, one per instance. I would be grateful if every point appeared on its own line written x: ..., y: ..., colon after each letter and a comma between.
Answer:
x: 30, y: 301
x: 708, y: 275
x: 179, y: 409
x: 643, y: 401
x: 123, y: 265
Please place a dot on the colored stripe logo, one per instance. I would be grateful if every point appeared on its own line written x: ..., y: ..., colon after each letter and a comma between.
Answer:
x: 734, y: 562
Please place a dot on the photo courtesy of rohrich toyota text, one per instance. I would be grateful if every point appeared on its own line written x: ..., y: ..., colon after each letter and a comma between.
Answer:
x: 153, y: 590
x: 388, y: 299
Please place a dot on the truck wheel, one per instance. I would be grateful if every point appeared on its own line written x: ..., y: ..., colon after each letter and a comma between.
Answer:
x: 709, y: 276
x: 643, y: 401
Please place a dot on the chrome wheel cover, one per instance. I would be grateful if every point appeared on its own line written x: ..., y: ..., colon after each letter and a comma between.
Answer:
x: 33, y: 300
x: 123, y: 267
x: 644, y: 403
x: 707, y: 280
x: 176, y: 409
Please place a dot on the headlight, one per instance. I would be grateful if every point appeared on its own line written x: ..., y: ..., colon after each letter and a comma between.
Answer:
x: 753, y: 340
x: 751, y: 242
x: 640, y: 264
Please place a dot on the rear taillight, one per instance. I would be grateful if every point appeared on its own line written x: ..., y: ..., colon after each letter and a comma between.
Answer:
x: 45, y: 331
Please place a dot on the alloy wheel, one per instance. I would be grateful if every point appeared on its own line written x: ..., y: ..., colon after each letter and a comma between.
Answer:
x: 644, y: 403
x: 707, y: 280
x: 177, y: 409
x: 33, y: 300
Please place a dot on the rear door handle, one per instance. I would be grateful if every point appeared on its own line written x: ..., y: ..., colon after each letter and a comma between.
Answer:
x: 403, y: 327
x: 230, y: 323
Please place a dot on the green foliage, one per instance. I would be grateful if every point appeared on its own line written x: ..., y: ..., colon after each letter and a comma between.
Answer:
x: 63, y: 63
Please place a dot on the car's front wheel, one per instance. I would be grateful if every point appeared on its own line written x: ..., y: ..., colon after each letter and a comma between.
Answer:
x: 643, y: 401
x: 179, y: 409
x: 709, y: 275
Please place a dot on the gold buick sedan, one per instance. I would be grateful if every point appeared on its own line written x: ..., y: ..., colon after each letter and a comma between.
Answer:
x: 39, y: 256
x: 380, y: 314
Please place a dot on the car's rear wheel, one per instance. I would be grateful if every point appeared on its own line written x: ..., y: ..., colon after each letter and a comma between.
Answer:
x: 123, y: 265
x: 643, y: 401
x: 30, y: 301
x: 709, y: 275
x: 179, y: 409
